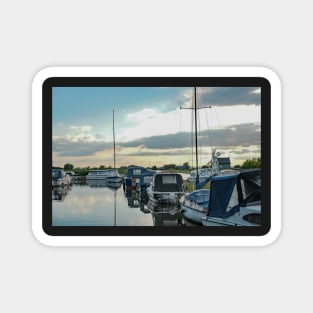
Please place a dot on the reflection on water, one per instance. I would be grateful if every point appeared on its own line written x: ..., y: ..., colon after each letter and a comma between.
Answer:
x: 59, y: 192
x: 165, y: 215
x: 97, y: 204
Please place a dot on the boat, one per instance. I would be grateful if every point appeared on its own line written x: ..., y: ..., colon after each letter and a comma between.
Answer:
x: 101, y: 174
x: 60, y: 178
x: 138, y: 179
x: 234, y: 200
x: 217, y: 164
x: 194, y: 205
x: 110, y: 175
x: 116, y: 178
x: 166, y: 188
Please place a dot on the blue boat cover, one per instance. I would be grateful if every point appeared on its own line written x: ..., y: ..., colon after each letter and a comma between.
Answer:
x: 222, y: 188
x: 201, y: 197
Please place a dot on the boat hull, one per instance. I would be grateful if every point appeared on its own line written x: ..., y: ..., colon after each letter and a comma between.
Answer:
x: 164, y: 197
x: 194, y: 206
x: 192, y: 214
x: 246, y: 216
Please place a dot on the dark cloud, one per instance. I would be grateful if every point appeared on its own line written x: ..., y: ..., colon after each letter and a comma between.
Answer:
x: 65, y: 147
x: 227, y: 96
x: 243, y: 135
x: 159, y: 152
x: 239, y: 135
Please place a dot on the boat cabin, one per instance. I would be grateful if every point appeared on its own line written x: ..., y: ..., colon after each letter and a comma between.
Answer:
x: 230, y: 192
x: 60, y: 178
x: 138, y: 178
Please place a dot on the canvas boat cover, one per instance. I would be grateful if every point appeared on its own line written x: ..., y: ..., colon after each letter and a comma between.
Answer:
x: 168, y: 183
x: 247, y: 185
x: 56, y: 174
x: 200, y: 197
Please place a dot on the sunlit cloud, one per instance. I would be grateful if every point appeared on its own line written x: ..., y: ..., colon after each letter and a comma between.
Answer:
x: 84, y: 128
x: 156, y: 130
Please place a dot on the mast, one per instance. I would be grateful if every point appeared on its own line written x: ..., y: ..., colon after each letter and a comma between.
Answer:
x: 196, y: 139
x: 196, y: 131
x: 113, y: 140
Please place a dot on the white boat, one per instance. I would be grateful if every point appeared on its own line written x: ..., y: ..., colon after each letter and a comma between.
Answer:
x: 60, y: 178
x: 116, y: 178
x: 101, y: 174
x: 194, y: 205
x: 197, y: 205
x: 217, y: 164
x: 235, y: 201
x: 108, y: 175
x: 166, y: 188
x: 205, y: 173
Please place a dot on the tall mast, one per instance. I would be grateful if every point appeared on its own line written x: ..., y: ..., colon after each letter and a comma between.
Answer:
x: 113, y: 139
x: 196, y: 138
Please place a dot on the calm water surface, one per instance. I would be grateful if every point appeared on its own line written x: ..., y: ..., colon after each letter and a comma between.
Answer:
x: 95, y: 204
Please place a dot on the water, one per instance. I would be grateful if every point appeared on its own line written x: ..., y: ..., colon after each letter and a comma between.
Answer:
x: 98, y: 205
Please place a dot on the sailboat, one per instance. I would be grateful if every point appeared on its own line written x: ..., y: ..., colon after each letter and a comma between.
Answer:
x: 235, y: 200
x: 194, y: 205
x: 114, y: 180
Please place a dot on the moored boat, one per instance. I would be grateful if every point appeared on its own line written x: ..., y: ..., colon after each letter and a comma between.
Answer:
x: 194, y: 205
x: 138, y: 178
x: 116, y: 178
x: 60, y: 178
x: 101, y: 174
x: 235, y: 201
x: 166, y: 188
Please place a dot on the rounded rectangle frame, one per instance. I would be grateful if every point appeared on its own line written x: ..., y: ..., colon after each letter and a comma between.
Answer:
x: 147, y: 235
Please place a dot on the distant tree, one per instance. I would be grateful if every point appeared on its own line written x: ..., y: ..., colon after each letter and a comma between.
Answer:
x: 153, y: 167
x: 169, y: 166
x: 252, y: 163
x: 237, y: 166
x: 68, y: 167
x: 101, y: 167
x: 186, y: 165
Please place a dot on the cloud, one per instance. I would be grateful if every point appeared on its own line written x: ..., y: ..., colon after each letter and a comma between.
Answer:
x: 66, y: 146
x: 243, y: 135
x: 238, y: 135
x: 228, y: 96
x: 84, y: 128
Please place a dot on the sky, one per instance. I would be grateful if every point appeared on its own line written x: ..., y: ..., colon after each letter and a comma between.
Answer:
x: 154, y: 125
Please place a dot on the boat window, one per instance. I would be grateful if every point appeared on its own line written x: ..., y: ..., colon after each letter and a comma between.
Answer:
x: 233, y: 201
x: 254, y: 218
x: 137, y: 171
x: 55, y: 174
x: 169, y: 179
x: 250, y: 193
x: 147, y: 179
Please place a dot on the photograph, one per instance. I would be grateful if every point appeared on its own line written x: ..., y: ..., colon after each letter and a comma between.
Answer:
x: 156, y: 156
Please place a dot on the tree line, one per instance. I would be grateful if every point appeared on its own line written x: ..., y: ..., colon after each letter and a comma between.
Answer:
x: 68, y: 167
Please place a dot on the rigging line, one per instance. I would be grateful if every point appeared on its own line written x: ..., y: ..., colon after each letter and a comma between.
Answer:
x: 196, y: 138
x: 191, y: 134
x: 209, y: 131
x: 218, y: 121
x: 113, y: 140
x: 219, y: 126
x: 181, y: 136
